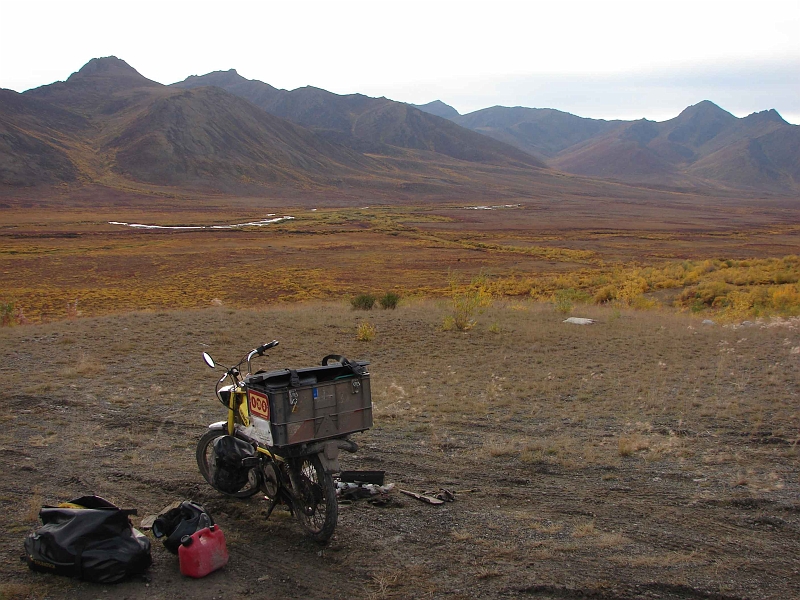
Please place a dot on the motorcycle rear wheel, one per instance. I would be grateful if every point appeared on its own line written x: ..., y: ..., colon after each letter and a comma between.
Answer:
x: 315, y: 502
x: 205, y: 446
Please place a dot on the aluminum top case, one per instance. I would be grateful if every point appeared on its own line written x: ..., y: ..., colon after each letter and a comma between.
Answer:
x: 316, y: 403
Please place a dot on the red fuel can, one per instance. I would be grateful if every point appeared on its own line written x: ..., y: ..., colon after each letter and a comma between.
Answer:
x: 203, y: 552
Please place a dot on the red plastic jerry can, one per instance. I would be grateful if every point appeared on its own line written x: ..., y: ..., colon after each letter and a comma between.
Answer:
x: 203, y: 552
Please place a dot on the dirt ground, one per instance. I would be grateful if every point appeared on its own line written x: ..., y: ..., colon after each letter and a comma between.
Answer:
x: 645, y: 456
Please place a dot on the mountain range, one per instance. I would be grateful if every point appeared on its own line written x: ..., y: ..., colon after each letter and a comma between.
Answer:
x: 107, y: 124
x: 704, y: 143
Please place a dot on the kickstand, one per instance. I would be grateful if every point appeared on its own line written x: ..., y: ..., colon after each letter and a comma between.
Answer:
x: 272, y: 504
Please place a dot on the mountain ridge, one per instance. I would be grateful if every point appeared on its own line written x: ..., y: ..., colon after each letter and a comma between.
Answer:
x: 366, y: 124
x: 221, y: 131
x: 703, y: 145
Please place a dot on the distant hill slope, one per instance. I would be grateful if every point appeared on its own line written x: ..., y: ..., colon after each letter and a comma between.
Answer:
x: 370, y: 125
x: 540, y: 131
x: 704, y: 145
x: 34, y: 140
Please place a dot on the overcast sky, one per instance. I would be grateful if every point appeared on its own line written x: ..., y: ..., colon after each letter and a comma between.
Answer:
x: 599, y: 59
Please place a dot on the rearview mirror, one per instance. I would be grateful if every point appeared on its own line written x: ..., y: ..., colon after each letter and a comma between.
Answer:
x: 208, y: 359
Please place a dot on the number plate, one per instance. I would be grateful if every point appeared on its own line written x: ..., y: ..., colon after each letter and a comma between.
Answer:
x: 259, y: 404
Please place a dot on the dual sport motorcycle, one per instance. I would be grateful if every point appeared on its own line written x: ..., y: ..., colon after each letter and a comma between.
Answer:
x: 284, y: 433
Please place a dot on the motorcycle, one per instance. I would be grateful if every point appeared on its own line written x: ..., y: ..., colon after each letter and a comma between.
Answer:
x: 288, y: 426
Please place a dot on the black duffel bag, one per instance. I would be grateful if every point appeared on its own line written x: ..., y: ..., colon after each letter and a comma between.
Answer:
x: 96, y: 542
x: 227, y: 469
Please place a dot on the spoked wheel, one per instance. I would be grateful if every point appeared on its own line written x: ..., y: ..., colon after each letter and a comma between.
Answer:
x: 205, y: 447
x: 315, y: 504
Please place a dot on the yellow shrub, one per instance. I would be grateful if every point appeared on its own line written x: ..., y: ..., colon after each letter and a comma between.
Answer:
x: 366, y: 332
x: 605, y: 294
x: 631, y: 289
x: 786, y: 299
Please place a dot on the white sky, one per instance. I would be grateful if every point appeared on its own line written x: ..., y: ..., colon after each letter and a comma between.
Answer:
x: 600, y: 59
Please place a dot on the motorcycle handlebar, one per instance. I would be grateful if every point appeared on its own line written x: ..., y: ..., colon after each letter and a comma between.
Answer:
x: 263, y: 348
x: 260, y: 352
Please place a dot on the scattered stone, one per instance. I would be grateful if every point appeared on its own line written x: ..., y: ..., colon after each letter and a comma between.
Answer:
x: 216, y: 302
x: 708, y: 322
x: 579, y: 321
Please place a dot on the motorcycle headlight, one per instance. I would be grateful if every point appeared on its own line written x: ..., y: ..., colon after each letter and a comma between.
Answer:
x: 225, y: 395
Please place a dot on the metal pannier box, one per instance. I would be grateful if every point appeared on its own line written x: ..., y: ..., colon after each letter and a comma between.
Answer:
x: 316, y: 403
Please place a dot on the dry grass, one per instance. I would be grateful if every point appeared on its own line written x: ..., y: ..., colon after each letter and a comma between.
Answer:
x: 631, y: 444
x: 661, y: 559
x: 548, y: 528
x: 586, y: 529
x: 487, y: 572
x: 85, y: 366
x: 461, y: 535
x: 19, y: 591
x: 34, y: 506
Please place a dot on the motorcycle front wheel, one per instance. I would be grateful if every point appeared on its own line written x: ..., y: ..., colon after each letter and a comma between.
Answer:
x: 315, y: 500
x: 204, y: 449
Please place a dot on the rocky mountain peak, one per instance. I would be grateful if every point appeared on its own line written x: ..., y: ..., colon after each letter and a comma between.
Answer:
x: 438, y: 108
x: 107, y: 66
x: 766, y: 116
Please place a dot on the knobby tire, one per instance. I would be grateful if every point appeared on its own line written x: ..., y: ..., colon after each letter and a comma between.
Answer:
x: 315, y: 506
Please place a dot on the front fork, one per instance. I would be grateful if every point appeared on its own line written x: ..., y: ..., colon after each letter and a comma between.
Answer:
x: 237, y: 404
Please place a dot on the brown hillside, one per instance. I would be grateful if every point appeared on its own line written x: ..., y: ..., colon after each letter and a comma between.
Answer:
x: 771, y: 161
x: 704, y: 145
x: 538, y: 131
x: 34, y: 140
x: 210, y: 135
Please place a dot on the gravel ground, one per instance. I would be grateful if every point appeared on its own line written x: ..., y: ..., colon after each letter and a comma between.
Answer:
x: 644, y: 456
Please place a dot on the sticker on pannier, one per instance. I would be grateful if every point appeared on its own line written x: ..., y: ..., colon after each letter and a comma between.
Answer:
x: 259, y: 404
x: 259, y: 427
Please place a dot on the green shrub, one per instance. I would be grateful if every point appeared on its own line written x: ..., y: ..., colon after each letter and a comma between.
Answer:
x: 389, y: 300
x: 710, y: 294
x: 562, y: 302
x: 565, y: 299
x: 363, y: 302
